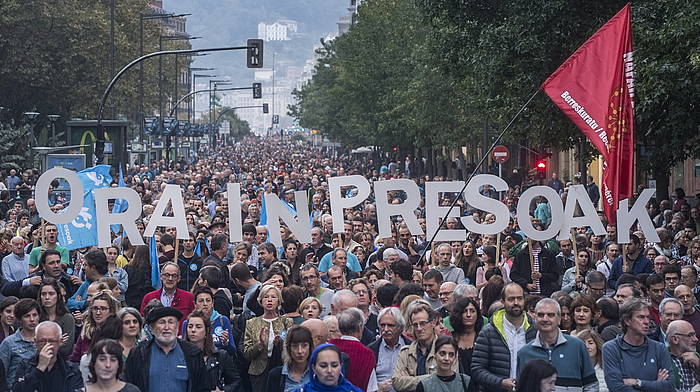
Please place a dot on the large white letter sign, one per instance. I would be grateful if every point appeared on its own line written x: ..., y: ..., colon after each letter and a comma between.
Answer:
x: 42, y: 196
x: 475, y: 199
x: 299, y: 225
x: 434, y: 212
x: 235, y: 230
x: 523, y: 212
x: 339, y: 203
x: 627, y: 216
x: 406, y: 209
x: 126, y: 218
x: 171, y: 194
x: 578, y: 194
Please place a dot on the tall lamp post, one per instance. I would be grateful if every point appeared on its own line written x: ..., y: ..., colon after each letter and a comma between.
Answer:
x: 144, y: 17
x: 254, y: 48
x: 211, y: 102
x: 216, y: 86
x: 52, y: 119
x: 160, y: 64
x: 194, y: 87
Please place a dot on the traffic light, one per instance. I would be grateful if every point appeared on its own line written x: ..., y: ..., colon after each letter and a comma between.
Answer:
x: 255, y: 53
x: 541, y: 169
x: 257, y: 90
x: 266, y: 109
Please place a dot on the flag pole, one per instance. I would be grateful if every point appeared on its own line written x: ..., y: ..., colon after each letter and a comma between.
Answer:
x: 476, y: 168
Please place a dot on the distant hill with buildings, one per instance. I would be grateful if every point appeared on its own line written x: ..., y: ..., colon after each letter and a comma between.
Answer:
x: 291, y: 29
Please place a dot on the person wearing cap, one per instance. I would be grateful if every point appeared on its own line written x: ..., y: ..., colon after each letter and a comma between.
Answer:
x: 166, y: 363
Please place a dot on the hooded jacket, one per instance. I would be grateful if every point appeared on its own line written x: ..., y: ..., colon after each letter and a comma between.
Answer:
x: 623, y: 360
x: 491, y: 357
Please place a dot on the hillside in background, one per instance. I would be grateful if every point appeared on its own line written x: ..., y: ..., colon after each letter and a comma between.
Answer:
x: 226, y: 22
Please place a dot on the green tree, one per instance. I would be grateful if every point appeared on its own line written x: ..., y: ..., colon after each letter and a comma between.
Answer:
x: 56, y: 58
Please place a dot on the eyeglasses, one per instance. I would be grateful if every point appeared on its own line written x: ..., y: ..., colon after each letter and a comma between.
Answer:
x: 420, y: 324
x: 360, y: 292
x: 445, y: 293
x: 99, y: 309
x: 687, y: 335
x: 170, y: 276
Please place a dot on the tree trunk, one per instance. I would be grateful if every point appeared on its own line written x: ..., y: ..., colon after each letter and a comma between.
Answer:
x: 661, y: 175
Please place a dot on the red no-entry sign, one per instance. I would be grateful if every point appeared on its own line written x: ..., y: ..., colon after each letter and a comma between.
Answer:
x: 500, y: 154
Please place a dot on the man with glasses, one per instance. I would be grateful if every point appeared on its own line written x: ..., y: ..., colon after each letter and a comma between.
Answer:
x: 682, y: 341
x: 311, y: 280
x: 169, y: 295
x: 670, y: 310
x: 659, y: 263
x: 595, y: 284
x: 672, y: 278
x: 690, y: 309
x: 48, y: 369
x: 446, y: 298
x: 417, y: 361
x: 689, y: 277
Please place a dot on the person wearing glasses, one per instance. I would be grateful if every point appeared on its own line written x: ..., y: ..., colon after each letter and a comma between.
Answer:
x: 682, y: 340
x: 169, y: 294
x: 102, y: 305
x: 47, y: 370
x: 417, y: 360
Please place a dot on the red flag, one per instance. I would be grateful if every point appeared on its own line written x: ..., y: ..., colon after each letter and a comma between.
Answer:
x: 595, y: 89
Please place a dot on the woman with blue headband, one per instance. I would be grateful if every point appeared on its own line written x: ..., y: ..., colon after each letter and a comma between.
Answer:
x: 324, y: 371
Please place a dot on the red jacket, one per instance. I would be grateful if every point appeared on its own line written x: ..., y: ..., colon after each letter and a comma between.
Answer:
x: 183, y: 301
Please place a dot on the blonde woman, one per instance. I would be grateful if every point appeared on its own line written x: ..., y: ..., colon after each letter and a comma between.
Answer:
x: 264, y: 337
x: 100, y: 307
x: 310, y: 308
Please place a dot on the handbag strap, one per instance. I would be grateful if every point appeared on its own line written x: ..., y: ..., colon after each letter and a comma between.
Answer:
x: 464, y: 385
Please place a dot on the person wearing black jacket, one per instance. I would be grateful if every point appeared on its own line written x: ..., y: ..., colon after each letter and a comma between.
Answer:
x: 190, y: 374
x: 220, y: 364
x: 47, y: 371
x: 50, y: 263
x: 547, y: 274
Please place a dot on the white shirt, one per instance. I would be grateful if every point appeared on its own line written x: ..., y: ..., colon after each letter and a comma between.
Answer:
x: 516, y: 340
x: 372, y: 385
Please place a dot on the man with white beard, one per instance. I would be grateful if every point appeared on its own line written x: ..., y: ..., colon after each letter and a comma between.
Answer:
x: 166, y: 363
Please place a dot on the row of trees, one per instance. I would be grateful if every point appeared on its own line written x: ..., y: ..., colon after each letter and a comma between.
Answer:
x: 55, y: 58
x: 431, y: 73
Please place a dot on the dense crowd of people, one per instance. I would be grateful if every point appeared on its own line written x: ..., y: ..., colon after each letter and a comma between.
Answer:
x: 348, y: 311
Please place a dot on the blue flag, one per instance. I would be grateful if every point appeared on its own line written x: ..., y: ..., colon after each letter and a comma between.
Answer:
x: 120, y: 205
x: 198, y: 248
x: 155, y: 268
x: 263, y: 212
x: 82, y: 231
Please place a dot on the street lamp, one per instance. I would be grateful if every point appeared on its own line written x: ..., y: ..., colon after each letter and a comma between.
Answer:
x: 149, y: 16
x: 52, y: 119
x: 213, y: 82
x: 253, y: 48
x: 30, y: 116
x: 194, y: 87
x: 216, y: 85
x: 160, y: 64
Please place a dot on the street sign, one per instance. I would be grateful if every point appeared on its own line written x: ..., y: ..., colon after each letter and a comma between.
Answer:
x: 275, y: 119
x: 500, y: 154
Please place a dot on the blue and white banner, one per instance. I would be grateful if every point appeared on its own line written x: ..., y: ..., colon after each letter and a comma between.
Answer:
x: 82, y: 231
x: 120, y: 205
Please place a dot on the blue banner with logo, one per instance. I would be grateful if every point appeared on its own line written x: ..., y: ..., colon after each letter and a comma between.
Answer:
x: 82, y: 231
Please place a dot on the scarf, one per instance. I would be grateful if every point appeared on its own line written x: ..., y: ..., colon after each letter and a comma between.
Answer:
x: 316, y: 386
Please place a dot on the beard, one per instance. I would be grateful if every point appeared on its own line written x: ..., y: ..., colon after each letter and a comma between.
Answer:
x: 165, y: 341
